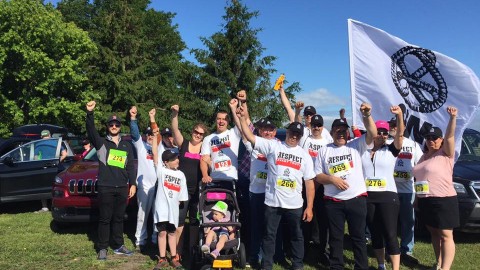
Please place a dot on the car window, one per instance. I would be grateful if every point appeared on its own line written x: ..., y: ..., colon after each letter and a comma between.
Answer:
x: 470, y: 145
x: 36, y: 150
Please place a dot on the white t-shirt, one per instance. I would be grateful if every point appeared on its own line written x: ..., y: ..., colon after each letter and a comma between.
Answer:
x: 407, y: 158
x: 312, y: 145
x: 171, y: 190
x: 307, y: 133
x: 345, y: 162
x: 287, y: 167
x: 378, y: 172
x: 258, y: 169
x: 146, y: 174
x: 223, y: 151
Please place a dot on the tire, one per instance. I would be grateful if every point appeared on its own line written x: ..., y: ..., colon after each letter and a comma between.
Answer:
x: 242, y: 254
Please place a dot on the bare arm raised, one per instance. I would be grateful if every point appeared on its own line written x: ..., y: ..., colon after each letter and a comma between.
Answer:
x: 177, y: 135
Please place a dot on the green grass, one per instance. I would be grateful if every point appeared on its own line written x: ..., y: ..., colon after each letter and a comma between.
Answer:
x: 31, y: 241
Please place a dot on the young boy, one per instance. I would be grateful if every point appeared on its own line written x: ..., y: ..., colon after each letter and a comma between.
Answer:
x: 219, y: 234
x: 172, y: 189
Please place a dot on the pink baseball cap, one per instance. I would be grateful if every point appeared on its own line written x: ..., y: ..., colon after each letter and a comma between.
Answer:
x: 382, y: 124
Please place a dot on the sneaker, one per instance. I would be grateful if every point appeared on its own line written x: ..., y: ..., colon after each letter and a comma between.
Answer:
x: 123, y: 251
x: 408, y: 259
x: 205, y: 249
x: 162, y: 264
x: 175, y: 262
x: 381, y: 267
x: 43, y: 210
x: 102, y: 255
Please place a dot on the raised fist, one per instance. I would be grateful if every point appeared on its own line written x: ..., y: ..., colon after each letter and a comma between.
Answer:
x: 91, y: 105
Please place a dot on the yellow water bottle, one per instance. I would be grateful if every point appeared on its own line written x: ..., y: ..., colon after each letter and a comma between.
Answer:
x: 279, y: 82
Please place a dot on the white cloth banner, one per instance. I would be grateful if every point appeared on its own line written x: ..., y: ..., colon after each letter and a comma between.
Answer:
x: 386, y: 71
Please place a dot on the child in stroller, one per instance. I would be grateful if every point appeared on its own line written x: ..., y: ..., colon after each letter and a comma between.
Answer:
x: 219, y: 243
x: 219, y: 234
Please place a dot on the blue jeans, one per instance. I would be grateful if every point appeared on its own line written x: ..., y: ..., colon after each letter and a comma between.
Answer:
x: 292, y: 218
x: 257, y: 213
x: 407, y: 222
x: 354, y: 211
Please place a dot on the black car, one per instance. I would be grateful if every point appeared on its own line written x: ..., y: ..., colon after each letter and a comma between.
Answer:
x: 466, y: 177
x: 27, y: 173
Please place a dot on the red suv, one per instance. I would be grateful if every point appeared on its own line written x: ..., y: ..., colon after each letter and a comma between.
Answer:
x: 74, y: 194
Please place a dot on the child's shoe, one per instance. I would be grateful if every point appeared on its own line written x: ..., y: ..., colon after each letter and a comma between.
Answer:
x: 175, y: 262
x: 205, y: 249
x: 162, y: 264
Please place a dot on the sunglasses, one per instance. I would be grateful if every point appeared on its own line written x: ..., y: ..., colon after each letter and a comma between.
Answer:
x: 431, y: 138
x: 308, y: 114
x: 316, y: 126
x: 114, y: 125
x: 383, y: 133
x: 198, y: 133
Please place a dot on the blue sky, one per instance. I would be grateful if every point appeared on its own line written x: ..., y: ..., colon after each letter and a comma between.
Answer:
x: 310, y: 37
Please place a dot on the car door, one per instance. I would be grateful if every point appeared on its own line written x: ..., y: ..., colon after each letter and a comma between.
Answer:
x: 28, y: 172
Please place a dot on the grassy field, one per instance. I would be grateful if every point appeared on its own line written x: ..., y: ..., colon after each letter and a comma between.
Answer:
x: 31, y: 241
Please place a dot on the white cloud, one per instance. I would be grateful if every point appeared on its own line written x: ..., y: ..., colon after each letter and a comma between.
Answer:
x: 321, y: 98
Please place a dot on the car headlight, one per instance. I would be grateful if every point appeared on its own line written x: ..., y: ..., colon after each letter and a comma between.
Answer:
x: 58, y: 180
x: 459, y: 188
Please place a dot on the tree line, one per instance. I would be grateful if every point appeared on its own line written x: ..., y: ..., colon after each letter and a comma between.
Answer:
x: 53, y: 59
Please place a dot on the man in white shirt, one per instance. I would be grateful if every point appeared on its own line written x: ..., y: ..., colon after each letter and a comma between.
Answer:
x: 339, y: 169
x: 288, y: 165
x: 220, y: 149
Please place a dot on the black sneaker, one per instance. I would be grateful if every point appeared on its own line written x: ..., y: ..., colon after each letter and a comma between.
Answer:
x: 102, y: 255
x: 408, y: 259
x: 123, y: 251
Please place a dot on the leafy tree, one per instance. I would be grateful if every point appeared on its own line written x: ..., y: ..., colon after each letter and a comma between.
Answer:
x: 41, y: 57
x: 233, y: 60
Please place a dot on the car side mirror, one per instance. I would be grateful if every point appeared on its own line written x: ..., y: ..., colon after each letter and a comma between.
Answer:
x: 8, y: 161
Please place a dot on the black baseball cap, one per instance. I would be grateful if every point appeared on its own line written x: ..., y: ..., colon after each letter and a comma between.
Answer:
x: 339, y: 122
x: 114, y: 118
x: 317, y: 121
x: 169, y: 155
x: 433, y: 131
x: 166, y: 131
x: 148, y: 131
x: 267, y: 123
x: 309, y: 110
x: 296, y: 127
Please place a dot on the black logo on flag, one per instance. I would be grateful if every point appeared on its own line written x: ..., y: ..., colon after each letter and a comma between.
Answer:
x: 418, y: 80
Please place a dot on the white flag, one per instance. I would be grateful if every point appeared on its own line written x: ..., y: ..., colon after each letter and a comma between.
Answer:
x: 386, y: 71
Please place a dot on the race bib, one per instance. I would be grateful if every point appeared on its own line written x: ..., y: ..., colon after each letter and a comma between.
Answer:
x: 262, y: 176
x: 340, y: 169
x: 376, y: 184
x: 222, y: 163
x: 286, y: 184
x: 422, y: 187
x: 401, y: 176
x: 117, y: 158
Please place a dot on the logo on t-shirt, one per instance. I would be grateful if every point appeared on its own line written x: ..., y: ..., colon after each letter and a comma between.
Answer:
x: 405, y: 155
x: 289, y: 160
x: 172, y: 183
x: 337, y: 159
x: 219, y: 144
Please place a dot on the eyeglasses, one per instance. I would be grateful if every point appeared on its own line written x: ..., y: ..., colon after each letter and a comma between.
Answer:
x: 383, y: 133
x: 198, y: 133
x: 114, y: 125
x: 431, y: 138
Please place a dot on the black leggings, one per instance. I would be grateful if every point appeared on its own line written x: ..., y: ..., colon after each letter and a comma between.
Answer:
x: 382, y: 221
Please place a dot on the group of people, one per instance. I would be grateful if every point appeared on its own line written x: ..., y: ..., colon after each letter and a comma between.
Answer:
x: 311, y: 184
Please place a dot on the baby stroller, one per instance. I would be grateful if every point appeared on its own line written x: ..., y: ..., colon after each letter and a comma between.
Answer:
x: 234, y: 250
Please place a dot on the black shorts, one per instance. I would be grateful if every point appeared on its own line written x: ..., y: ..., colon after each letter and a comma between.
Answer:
x: 439, y: 212
x: 165, y: 226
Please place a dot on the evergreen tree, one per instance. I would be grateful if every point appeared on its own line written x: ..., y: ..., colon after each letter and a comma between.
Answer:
x: 234, y: 60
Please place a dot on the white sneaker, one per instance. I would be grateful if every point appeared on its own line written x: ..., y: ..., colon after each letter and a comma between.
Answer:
x: 43, y: 210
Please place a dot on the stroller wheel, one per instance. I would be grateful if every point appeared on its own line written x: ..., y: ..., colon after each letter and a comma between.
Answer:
x: 242, y: 260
